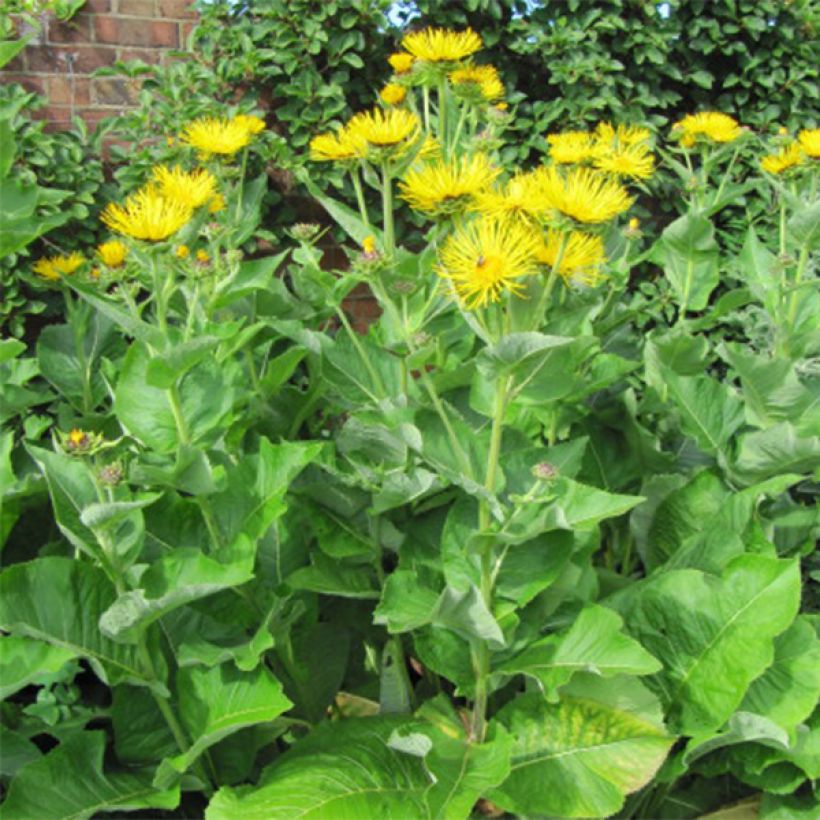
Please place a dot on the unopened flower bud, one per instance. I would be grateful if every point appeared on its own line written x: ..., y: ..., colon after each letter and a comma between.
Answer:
x: 304, y: 231
x: 544, y: 471
x: 111, y: 474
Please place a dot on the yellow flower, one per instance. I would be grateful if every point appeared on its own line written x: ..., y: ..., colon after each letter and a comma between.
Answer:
x: 335, y: 147
x: 486, y: 258
x: 251, y: 123
x: 55, y: 267
x: 443, y: 187
x: 713, y: 125
x: 438, y: 45
x: 76, y: 439
x: 584, y: 194
x: 182, y: 251
x: 520, y: 198
x: 382, y: 129
x: 401, y: 62
x: 570, y: 147
x: 810, y: 141
x: 217, y: 136
x: 429, y: 148
x: 635, y: 161
x: 217, y: 204
x: 191, y: 189
x: 393, y: 94
x: 112, y: 253
x: 369, y: 245
x: 482, y: 77
x: 634, y: 223
x: 147, y: 214
x: 581, y: 259
x: 790, y: 157
x: 623, y: 134
x: 202, y: 256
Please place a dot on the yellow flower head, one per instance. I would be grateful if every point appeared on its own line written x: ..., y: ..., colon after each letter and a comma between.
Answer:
x: 148, y: 215
x: 182, y: 251
x: 189, y: 188
x: 484, y: 78
x: 444, y: 187
x: 429, y: 148
x: 251, y: 123
x: 810, y: 141
x: 202, y: 256
x: 383, y: 129
x: 790, y: 157
x: 623, y: 134
x: 401, y: 62
x: 519, y: 198
x: 635, y: 161
x: 211, y: 135
x: 439, y: 45
x: 712, y: 125
x: 55, y: 267
x: 487, y: 258
x: 393, y: 94
x: 571, y: 147
x: 217, y: 204
x: 581, y: 255
x: 584, y: 194
x: 77, y: 438
x: 634, y: 223
x: 113, y: 253
x: 369, y: 247
x: 336, y: 147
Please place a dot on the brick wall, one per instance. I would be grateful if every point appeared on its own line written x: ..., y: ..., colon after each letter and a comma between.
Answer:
x: 60, y: 62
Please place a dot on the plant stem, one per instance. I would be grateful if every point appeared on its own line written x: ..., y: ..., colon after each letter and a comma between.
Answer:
x: 543, y: 302
x: 357, y: 186
x: 387, y: 209
x: 798, y: 276
x: 462, y: 117
x: 353, y: 336
x: 426, y: 97
x: 442, y: 113
x: 240, y: 190
x: 176, y: 410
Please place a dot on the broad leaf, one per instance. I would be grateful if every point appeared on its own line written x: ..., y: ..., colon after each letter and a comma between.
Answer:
x: 23, y: 660
x: 779, y: 449
x: 576, y: 758
x: 341, y: 770
x: 69, y: 783
x: 594, y: 643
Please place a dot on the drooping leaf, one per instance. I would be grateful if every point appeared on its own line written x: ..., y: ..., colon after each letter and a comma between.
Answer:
x: 216, y: 702
x: 23, y: 660
x: 69, y: 783
x: 576, y: 758
x: 779, y: 449
x: 341, y: 769
x: 594, y: 643
x: 713, y: 635
x: 60, y: 601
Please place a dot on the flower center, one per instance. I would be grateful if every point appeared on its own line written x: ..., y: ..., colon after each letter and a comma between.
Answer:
x: 489, y: 268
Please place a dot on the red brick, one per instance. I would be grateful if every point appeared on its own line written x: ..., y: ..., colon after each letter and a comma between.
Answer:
x: 129, y: 32
x: 94, y: 115
x: 137, y: 8
x: 29, y: 82
x: 150, y: 55
x: 116, y: 91
x: 185, y: 33
x: 176, y: 9
x: 52, y: 59
x: 76, y: 30
x: 17, y: 64
x: 97, y: 6
x: 57, y: 116
x: 61, y: 92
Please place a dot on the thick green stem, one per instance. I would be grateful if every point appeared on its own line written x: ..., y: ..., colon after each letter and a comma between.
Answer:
x: 387, y: 209
x: 240, y: 191
x: 442, y: 113
x: 176, y: 410
x: 543, y: 302
x: 726, y: 176
x: 798, y: 276
x: 426, y: 97
x: 459, y: 126
x: 357, y: 186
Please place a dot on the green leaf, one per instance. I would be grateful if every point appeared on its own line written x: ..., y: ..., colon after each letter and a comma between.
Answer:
x: 141, y: 734
x: 18, y: 751
x: 530, y: 568
x: 743, y: 727
x: 688, y: 253
x: 760, y: 271
x: 24, y: 660
x: 175, y: 580
x: 330, y: 577
x: 9, y: 49
x: 214, y: 703
x: 466, y: 614
x: 803, y: 227
x: 406, y: 604
x: 60, y: 601
x: 594, y: 643
x: 714, y: 636
x: 165, y: 369
x: 576, y: 758
x: 460, y: 770
x: 69, y: 783
x: 788, y: 691
x: 779, y: 449
x: 341, y: 769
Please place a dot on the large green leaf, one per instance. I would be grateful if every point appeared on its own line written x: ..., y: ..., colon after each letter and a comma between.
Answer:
x: 688, y: 253
x: 779, y: 449
x: 60, y: 601
x: 576, y: 758
x: 216, y: 702
x: 69, y: 784
x: 529, y: 568
x: 788, y: 691
x: 713, y: 635
x: 461, y: 771
x: 340, y: 771
x: 594, y: 643
x: 23, y: 660
x: 173, y: 581
x: 761, y: 271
